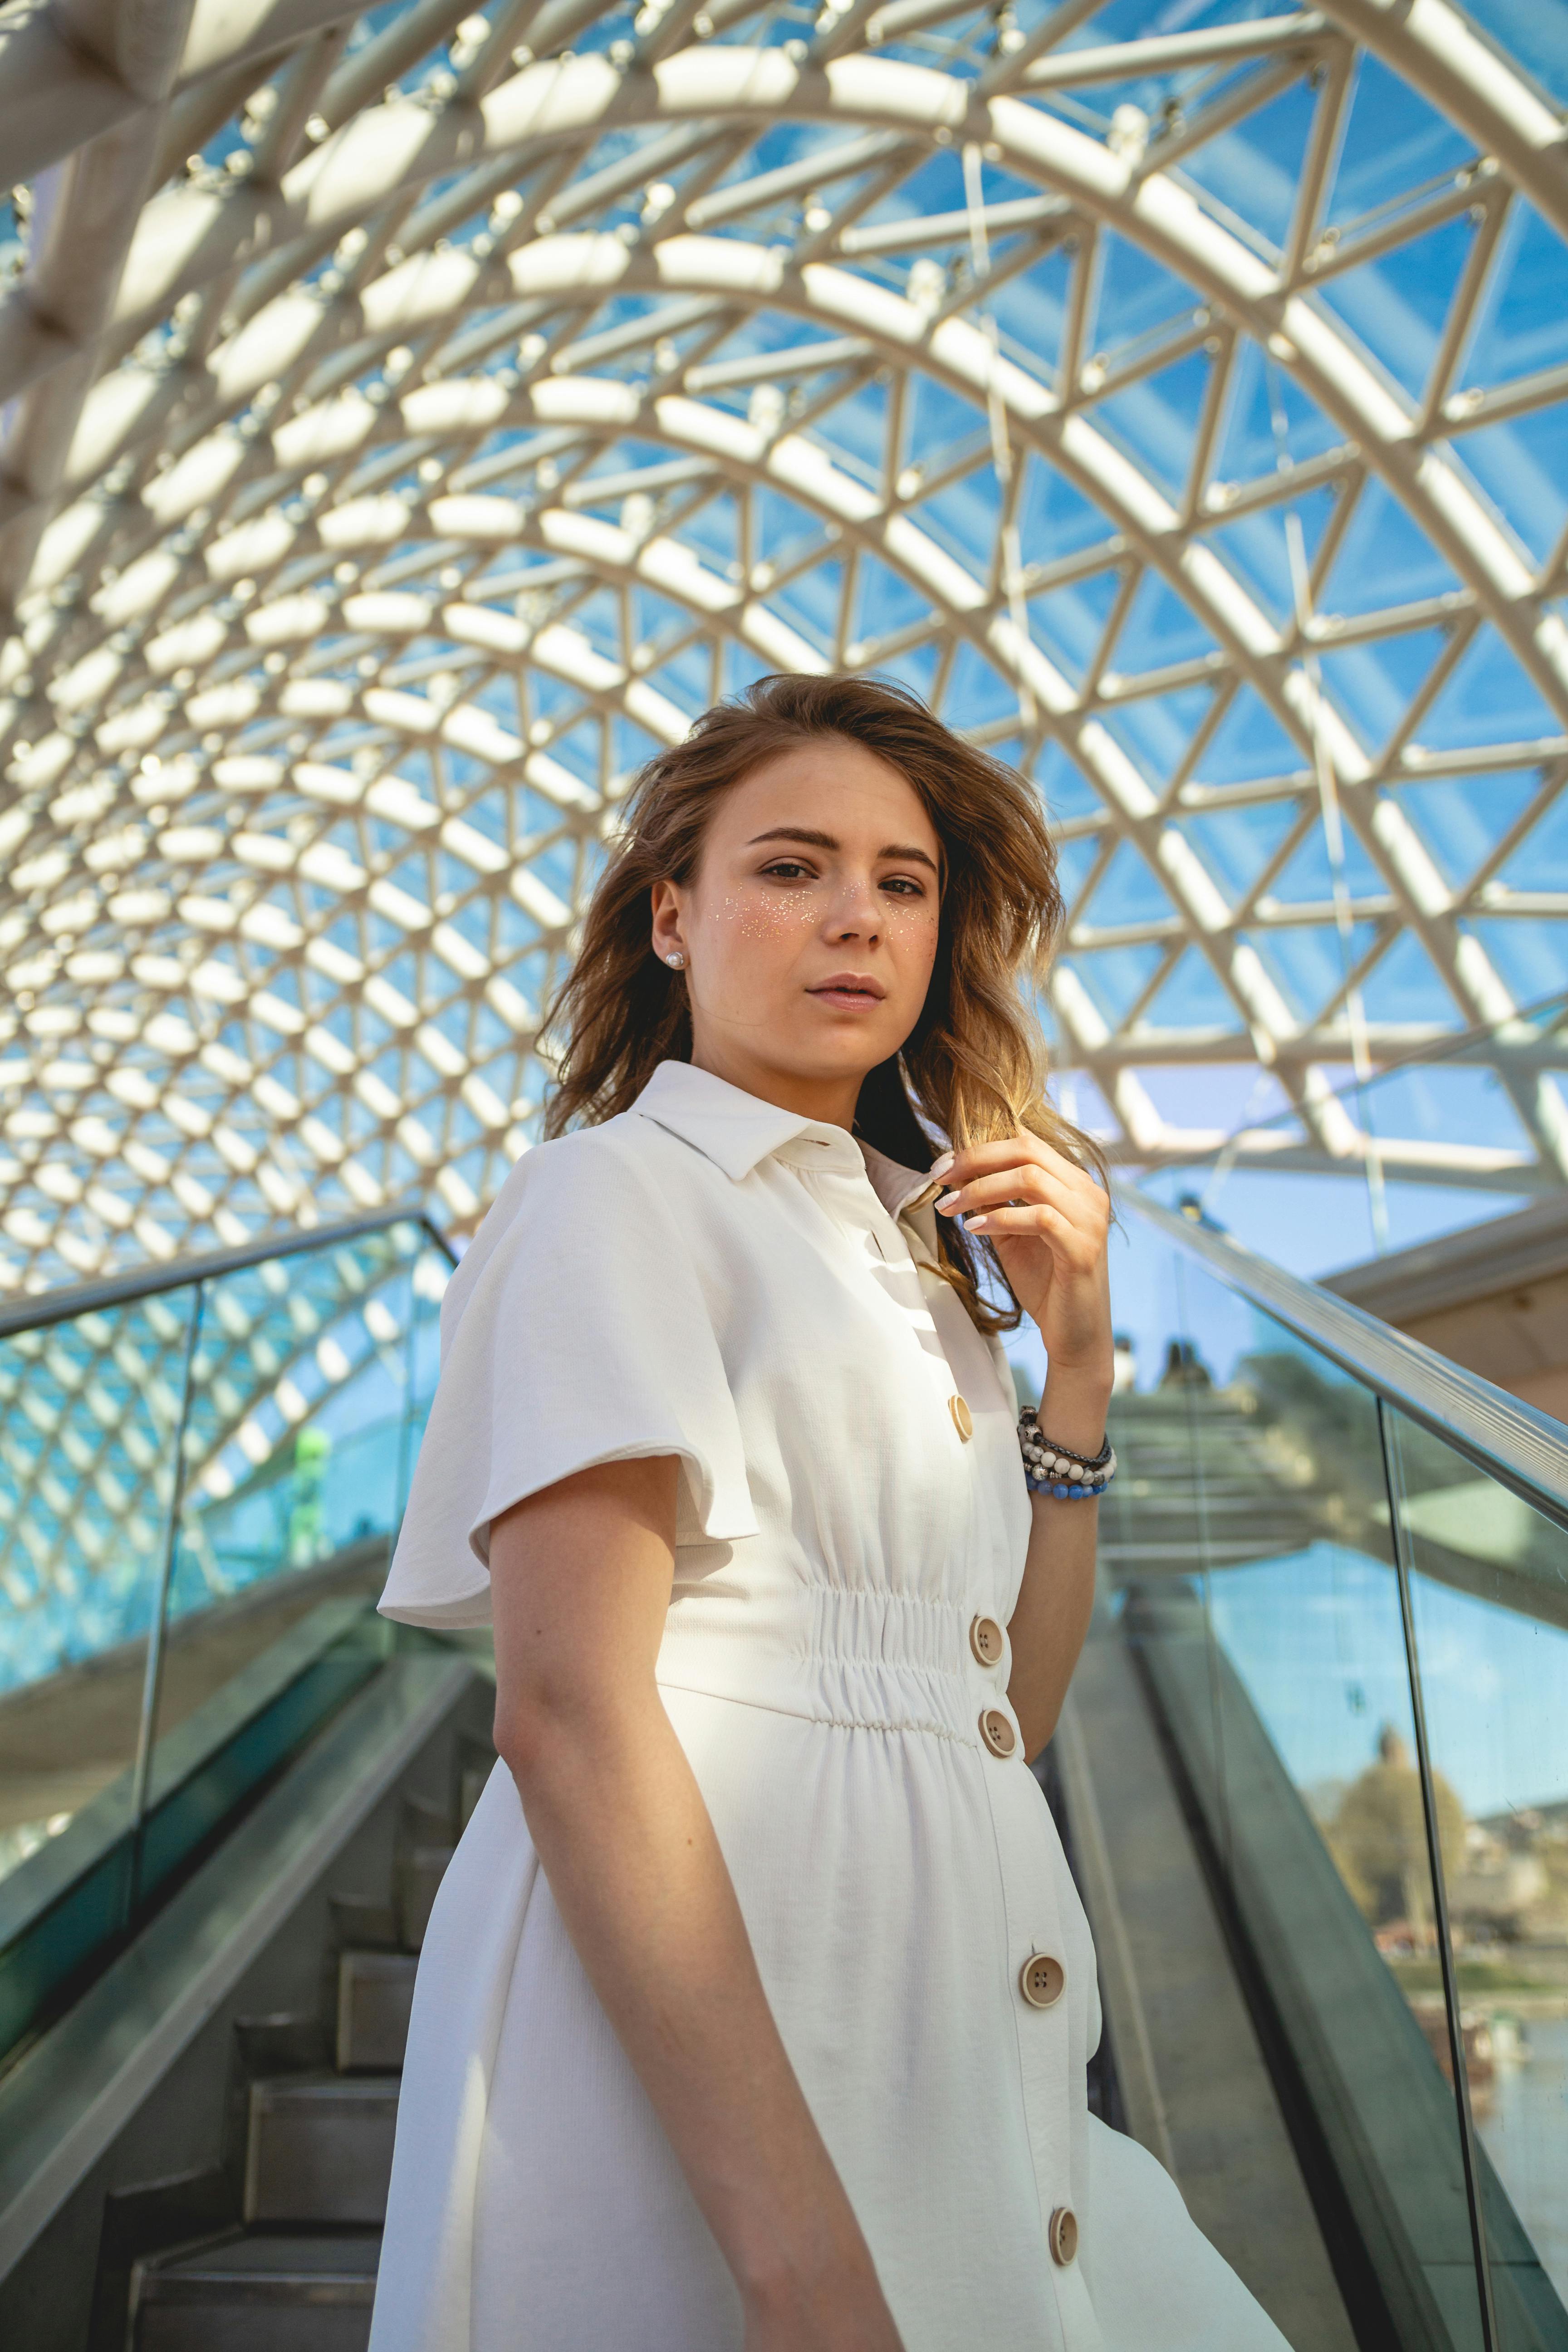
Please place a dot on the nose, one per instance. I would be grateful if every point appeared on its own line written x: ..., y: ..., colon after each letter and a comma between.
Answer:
x: 857, y: 913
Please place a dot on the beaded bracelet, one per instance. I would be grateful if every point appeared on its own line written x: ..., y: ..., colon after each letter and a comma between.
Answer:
x: 1052, y: 1469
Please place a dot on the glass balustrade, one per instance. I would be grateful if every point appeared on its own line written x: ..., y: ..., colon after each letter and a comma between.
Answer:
x: 1357, y: 1642
x: 197, y: 1493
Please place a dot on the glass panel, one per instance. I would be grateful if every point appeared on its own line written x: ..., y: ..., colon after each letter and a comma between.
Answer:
x: 89, y: 1419
x: 89, y: 1411
x: 1489, y: 1603
x: 292, y: 1458
x: 300, y: 1433
x: 427, y: 1282
x: 167, y: 1642
x: 1247, y: 1540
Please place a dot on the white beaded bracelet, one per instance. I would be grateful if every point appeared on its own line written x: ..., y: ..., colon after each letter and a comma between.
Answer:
x: 1052, y: 1469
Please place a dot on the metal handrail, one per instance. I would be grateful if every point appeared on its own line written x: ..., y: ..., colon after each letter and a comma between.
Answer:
x: 41, y: 1308
x: 1524, y: 1450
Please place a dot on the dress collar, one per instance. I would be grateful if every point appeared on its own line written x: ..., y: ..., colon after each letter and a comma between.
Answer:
x: 736, y: 1130
x: 900, y: 1190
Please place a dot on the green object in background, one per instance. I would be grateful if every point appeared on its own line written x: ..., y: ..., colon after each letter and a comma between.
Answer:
x: 306, y: 1514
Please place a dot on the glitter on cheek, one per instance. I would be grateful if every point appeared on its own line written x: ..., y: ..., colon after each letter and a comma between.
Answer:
x: 765, y: 914
x: 916, y: 914
x: 915, y: 925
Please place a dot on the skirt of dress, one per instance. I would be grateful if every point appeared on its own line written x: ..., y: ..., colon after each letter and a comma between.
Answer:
x: 535, y: 2201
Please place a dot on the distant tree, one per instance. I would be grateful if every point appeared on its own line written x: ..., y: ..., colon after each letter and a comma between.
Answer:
x: 1378, y: 1836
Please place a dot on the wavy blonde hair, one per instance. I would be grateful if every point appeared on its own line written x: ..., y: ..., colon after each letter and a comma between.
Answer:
x: 972, y: 1068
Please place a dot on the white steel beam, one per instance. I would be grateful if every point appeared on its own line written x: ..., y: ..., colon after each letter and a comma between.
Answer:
x: 1432, y: 44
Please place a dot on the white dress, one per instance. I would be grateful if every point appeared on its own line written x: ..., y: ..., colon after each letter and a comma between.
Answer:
x: 711, y: 1276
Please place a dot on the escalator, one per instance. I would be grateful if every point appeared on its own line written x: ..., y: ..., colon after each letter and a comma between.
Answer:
x: 1337, y: 1566
x: 1313, y: 1779
x: 280, y: 2243
x: 228, y: 1789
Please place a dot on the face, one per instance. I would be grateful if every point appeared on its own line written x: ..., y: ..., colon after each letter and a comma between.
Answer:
x: 810, y: 928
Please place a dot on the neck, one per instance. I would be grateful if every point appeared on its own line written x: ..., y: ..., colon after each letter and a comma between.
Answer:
x: 829, y: 1100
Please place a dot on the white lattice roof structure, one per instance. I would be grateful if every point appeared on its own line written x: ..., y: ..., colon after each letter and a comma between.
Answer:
x: 416, y: 416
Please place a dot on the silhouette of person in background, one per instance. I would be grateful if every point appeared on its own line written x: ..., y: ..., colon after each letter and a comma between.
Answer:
x: 1184, y: 1367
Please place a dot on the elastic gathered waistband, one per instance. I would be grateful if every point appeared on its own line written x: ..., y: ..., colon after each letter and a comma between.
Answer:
x: 854, y: 1658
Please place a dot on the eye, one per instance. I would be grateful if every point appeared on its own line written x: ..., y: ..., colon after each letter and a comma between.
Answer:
x: 785, y: 869
x: 906, y: 885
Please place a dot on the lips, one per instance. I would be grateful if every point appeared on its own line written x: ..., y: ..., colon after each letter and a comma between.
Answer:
x: 849, y: 988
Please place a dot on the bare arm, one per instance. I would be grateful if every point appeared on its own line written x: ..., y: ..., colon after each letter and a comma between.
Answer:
x: 1055, y: 1603
x: 1049, y: 1222
x: 580, y: 1577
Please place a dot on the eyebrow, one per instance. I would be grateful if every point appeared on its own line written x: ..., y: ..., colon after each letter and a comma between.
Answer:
x: 825, y: 841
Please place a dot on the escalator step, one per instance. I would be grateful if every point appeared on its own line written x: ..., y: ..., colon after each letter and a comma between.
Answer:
x: 375, y: 1991
x: 360, y: 1925
x: 320, y: 2149
x: 260, y: 2293
x: 416, y: 1881
x: 425, y: 1823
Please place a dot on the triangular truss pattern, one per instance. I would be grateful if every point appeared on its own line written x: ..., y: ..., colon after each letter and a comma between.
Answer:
x: 417, y: 417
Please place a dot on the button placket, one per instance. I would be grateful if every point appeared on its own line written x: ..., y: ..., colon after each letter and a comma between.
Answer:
x: 1080, y: 2324
x: 940, y: 1366
x: 1046, y: 2047
x: 1048, y: 2036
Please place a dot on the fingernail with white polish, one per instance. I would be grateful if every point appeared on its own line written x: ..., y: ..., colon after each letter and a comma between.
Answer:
x: 945, y: 1201
x: 940, y: 1166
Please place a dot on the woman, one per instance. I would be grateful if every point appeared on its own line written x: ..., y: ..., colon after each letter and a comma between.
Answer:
x: 756, y: 2001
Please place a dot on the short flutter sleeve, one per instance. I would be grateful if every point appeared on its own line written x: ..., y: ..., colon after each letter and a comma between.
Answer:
x: 576, y: 1330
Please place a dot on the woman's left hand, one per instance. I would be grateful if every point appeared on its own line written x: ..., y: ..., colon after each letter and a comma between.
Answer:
x: 1049, y: 1222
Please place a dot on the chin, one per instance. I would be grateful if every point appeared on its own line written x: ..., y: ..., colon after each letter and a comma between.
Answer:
x: 849, y: 1050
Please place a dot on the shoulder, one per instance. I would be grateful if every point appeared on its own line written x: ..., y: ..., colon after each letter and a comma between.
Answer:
x: 564, y: 1200
x: 631, y: 1159
x: 583, y: 1227
x: 621, y: 1154
x: 628, y: 1158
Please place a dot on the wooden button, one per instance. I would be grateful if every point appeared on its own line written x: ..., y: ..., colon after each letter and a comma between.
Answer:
x: 1041, y: 1979
x: 963, y: 1419
x: 997, y: 1732
x: 986, y: 1641
x: 1063, y: 2234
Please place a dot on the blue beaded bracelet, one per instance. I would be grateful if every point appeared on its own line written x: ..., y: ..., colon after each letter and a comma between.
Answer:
x: 1052, y: 1469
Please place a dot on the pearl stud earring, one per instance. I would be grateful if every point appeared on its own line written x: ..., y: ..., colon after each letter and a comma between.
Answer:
x: 676, y: 961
